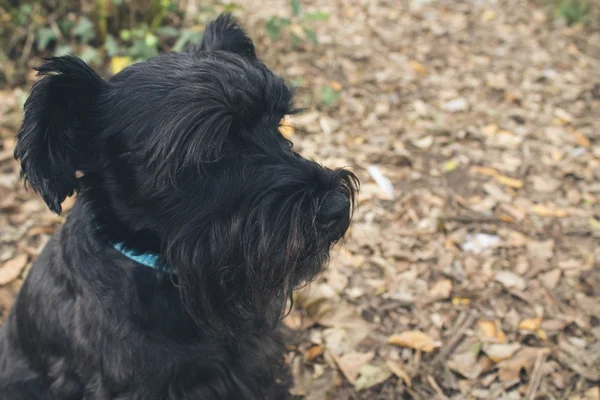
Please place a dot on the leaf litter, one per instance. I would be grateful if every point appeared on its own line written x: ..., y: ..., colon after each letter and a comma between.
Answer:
x: 469, y: 125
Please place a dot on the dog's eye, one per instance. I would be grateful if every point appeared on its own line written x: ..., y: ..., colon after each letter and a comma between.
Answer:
x: 289, y: 143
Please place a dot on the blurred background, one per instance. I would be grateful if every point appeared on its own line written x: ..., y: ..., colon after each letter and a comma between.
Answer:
x: 472, y: 268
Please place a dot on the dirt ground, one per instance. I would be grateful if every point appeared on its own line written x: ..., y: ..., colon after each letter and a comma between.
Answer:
x: 472, y: 268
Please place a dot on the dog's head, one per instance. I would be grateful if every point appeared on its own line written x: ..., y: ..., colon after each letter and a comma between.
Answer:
x: 182, y: 156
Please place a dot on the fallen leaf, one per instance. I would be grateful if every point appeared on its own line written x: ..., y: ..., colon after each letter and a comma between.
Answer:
x: 351, y: 363
x: 545, y: 184
x: 423, y: 143
x: 531, y: 324
x: 450, y: 165
x: 314, y: 352
x: 456, y: 105
x: 510, y: 280
x: 117, y: 64
x: 543, y: 250
x: 544, y: 211
x: 466, y: 362
x: 399, y: 371
x: 371, y: 375
x: 418, y: 68
x: 510, y: 182
x: 510, y: 370
x: 550, y: 279
x: 498, y: 352
x: 286, y: 128
x: 12, y: 269
x: 415, y: 340
x: 461, y: 301
x: 441, y: 289
x: 382, y: 181
x: 491, y: 330
x: 581, y: 139
x: 335, y: 85
x: 488, y: 15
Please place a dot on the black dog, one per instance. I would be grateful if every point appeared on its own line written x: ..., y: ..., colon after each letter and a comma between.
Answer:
x: 195, y: 220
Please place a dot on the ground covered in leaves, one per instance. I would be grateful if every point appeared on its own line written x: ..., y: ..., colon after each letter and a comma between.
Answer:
x: 472, y: 268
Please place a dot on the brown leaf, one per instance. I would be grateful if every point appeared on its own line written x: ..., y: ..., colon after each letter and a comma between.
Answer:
x: 441, y: 289
x: 418, y: 67
x: 415, y: 340
x: 581, y: 139
x: 545, y: 211
x: 314, y: 352
x: 510, y: 369
x: 510, y: 182
x: 499, y: 352
x: 371, y: 375
x: 351, y: 363
x: 399, y: 371
x: 550, y: 279
x: 12, y: 269
x: 531, y: 324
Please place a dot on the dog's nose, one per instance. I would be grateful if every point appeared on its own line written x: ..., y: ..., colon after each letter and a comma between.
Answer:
x: 335, y: 205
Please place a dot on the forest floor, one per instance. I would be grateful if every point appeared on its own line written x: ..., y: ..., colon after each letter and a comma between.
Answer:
x: 472, y: 269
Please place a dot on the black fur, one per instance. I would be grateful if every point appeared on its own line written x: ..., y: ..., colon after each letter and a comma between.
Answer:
x: 179, y: 156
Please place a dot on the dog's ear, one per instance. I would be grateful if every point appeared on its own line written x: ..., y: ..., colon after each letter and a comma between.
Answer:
x: 225, y: 34
x: 56, y: 125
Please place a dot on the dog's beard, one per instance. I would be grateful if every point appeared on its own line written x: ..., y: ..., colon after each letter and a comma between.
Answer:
x: 240, y: 268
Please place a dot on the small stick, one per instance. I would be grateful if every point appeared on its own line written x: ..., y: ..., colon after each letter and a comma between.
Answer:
x: 536, y: 376
x: 436, y: 387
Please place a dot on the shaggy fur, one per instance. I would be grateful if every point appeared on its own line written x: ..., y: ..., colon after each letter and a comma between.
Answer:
x: 180, y: 156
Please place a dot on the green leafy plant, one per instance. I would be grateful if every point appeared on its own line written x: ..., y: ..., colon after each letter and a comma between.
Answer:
x: 298, y: 27
x: 573, y: 11
x: 329, y: 96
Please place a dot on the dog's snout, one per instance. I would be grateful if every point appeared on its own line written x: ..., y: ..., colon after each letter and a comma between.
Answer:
x: 335, y: 206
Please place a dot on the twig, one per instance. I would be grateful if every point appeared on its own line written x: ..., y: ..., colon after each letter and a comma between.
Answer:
x: 471, y: 219
x: 536, y: 375
x: 436, y: 387
x: 456, y: 337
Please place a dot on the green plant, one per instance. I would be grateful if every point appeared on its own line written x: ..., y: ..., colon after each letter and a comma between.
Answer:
x: 329, y: 96
x: 298, y: 26
x: 127, y: 31
x: 573, y: 11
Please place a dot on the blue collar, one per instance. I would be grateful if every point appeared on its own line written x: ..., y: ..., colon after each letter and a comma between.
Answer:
x: 146, y: 259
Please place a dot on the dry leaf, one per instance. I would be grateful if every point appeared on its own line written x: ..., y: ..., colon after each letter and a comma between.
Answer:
x: 531, y: 324
x: 314, y: 352
x: 351, y: 363
x: 510, y: 370
x: 461, y: 301
x: 399, y: 371
x: 12, y: 269
x: 488, y: 15
x: 418, y: 67
x: 286, y: 128
x: 510, y: 182
x: 371, y: 375
x: 498, y: 352
x: 424, y: 142
x: 491, y: 330
x: 581, y: 139
x: 487, y: 171
x: 550, y: 279
x: 466, y: 362
x: 510, y: 280
x: 441, y: 289
x: 544, y: 211
x: 335, y: 85
x: 540, y: 250
x: 415, y: 340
